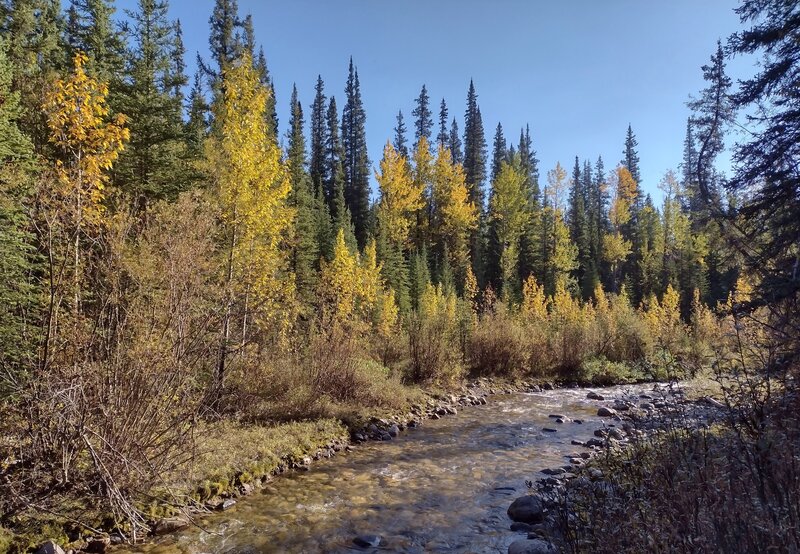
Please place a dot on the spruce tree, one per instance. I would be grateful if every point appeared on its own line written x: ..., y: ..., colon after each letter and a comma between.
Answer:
x: 266, y: 80
x: 630, y: 160
x: 319, y: 136
x: 93, y: 30
x: 690, y: 197
x: 443, y: 137
x: 196, y: 128
x: 530, y: 249
x: 499, y: 151
x: 32, y: 30
x: 18, y: 295
x: 579, y: 230
x: 454, y: 143
x: 474, y: 149
x: 306, y: 248
x: 356, y: 161
x: 224, y: 40
x: 151, y: 165
x: 423, y: 122
x: 399, y: 141
x: 475, y: 170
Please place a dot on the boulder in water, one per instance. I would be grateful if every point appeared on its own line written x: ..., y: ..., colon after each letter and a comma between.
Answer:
x: 532, y: 546
x: 527, y: 509
x: 367, y: 541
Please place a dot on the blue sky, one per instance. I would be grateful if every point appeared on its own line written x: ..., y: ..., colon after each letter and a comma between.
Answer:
x: 577, y: 71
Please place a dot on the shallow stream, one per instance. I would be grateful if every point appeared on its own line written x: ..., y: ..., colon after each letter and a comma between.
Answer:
x: 442, y: 487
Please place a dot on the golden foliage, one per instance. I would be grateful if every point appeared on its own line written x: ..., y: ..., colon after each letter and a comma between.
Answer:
x: 401, y: 196
x: 252, y: 186
x: 77, y: 115
x: 454, y: 215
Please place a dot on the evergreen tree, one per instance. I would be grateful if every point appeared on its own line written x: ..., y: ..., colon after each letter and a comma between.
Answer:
x: 224, y: 40
x: 769, y: 157
x: 18, y: 294
x: 690, y: 196
x: 579, y: 229
x: 454, y: 144
x: 356, y: 162
x: 151, y: 166
x: 399, y: 142
x: 196, y: 128
x: 474, y: 149
x: 475, y: 171
x: 423, y: 122
x: 419, y: 277
x: 630, y: 160
x: 319, y: 137
x: 92, y: 31
x: 266, y: 80
x: 306, y: 249
x: 530, y: 247
x: 499, y: 151
x: 176, y: 77
x: 712, y: 112
x: 443, y: 138
x: 32, y: 29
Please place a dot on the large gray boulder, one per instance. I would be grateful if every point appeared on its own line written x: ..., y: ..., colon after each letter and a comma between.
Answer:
x: 527, y: 509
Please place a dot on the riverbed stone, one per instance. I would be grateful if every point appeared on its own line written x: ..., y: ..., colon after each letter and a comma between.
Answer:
x: 367, y: 541
x: 170, y: 525
x: 393, y: 430
x: 50, y: 547
x: 595, y: 396
x: 606, y: 412
x: 520, y: 527
x: 227, y: 505
x: 527, y: 509
x: 532, y: 546
x: 549, y: 430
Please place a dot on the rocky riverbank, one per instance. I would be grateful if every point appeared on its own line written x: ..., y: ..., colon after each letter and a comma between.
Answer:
x: 222, y: 492
x: 547, y: 515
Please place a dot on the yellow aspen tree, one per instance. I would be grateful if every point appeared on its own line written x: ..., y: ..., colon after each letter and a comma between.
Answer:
x: 453, y: 215
x: 339, y: 281
x: 252, y: 186
x: 421, y: 172
x: 616, y: 248
x: 370, y: 283
x: 90, y: 143
x: 401, y: 197
x: 534, y: 301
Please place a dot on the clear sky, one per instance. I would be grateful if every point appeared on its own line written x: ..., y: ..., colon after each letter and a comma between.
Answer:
x: 577, y: 71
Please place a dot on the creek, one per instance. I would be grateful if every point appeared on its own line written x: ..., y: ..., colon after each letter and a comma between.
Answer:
x: 442, y: 487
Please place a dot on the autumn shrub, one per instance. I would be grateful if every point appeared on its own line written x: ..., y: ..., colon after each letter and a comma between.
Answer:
x: 569, y: 331
x: 433, y: 339
x: 498, y: 345
x: 106, y: 421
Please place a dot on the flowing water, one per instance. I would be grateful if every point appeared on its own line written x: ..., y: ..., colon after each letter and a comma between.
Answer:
x: 443, y: 487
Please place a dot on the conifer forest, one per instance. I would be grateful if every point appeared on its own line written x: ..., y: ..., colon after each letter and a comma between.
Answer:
x: 196, y: 298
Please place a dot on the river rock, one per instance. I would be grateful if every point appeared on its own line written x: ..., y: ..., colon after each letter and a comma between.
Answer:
x: 532, y: 546
x: 50, y: 547
x: 394, y: 430
x: 557, y: 416
x: 554, y: 471
x: 527, y: 509
x: 594, y: 396
x: 606, y: 412
x: 367, y: 541
x: 98, y: 545
x: 595, y: 442
x: 520, y: 527
x: 170, y: 525
x: 549, y: 430
x: 227, y: 505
